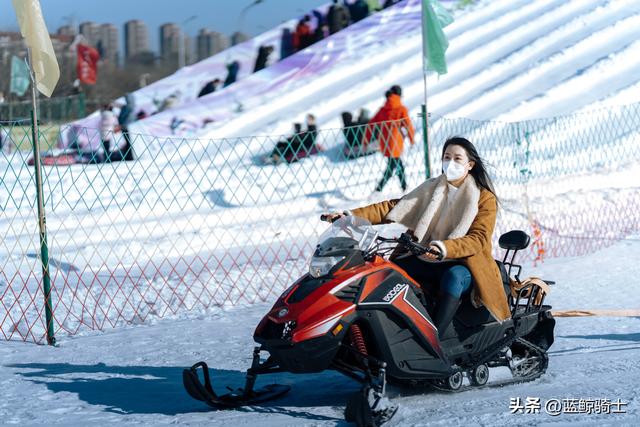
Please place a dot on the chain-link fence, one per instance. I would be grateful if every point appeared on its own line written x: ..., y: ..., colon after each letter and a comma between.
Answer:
x: 193, y: 224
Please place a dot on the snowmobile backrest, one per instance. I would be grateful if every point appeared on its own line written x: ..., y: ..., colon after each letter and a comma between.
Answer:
x: 514, y: 240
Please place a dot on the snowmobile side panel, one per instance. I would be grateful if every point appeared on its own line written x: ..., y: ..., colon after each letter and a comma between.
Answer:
x: 407, y: 356
x: 397, y: 294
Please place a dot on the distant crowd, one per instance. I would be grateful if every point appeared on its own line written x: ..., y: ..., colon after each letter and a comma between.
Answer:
x: 316, y: 26
x: 312, y: 28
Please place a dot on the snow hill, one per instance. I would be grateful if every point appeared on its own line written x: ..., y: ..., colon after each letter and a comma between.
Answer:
x: 508, y: 59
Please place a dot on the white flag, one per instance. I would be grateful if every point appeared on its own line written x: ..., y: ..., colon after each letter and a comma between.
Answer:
x: 34, y: 30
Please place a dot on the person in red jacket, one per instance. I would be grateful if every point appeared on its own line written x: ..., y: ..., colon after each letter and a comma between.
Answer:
x: 389, y: 122
x: 303, y: 37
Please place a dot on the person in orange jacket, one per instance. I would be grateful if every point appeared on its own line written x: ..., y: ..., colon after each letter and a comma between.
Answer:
x: 389, y: 122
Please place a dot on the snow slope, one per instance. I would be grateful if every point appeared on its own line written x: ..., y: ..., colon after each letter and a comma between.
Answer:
x: 132, y: 375
x: 511, y: 60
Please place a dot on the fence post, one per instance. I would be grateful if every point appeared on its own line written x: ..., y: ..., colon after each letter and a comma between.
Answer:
x: 42, y: 220
x: 425, y: 140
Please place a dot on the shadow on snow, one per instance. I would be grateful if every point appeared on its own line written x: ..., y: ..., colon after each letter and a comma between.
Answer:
x: 159, y: 390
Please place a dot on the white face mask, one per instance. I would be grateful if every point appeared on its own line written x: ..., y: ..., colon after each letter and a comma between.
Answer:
x: 453, y: 170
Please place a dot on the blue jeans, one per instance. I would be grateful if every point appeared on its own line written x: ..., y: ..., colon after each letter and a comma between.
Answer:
x: 456, y: 281
x: 450, y: 277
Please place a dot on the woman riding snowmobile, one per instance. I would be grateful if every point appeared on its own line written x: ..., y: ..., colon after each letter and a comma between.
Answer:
x: 360, y: 313
x: 455, y: 215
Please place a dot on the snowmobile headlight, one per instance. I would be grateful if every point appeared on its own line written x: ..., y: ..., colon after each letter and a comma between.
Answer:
x: 319, y: 266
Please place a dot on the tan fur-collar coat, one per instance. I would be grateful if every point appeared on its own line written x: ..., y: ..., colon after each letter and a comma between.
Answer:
x: 471, y: 224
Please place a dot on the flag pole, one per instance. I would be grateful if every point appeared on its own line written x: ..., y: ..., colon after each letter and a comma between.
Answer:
x: 42, y: 220
x: 425, y: 111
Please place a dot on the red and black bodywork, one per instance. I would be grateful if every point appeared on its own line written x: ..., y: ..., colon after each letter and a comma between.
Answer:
x: 367, y: 319
x: 306, y: 327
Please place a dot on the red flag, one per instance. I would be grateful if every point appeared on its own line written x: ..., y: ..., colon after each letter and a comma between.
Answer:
x: 87, y: 66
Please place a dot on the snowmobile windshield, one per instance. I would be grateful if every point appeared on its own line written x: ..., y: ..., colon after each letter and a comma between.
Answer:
x: 347, y: 234
x: 358, y: 231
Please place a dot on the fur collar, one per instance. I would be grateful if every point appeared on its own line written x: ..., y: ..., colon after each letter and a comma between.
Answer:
x: 418, y: 209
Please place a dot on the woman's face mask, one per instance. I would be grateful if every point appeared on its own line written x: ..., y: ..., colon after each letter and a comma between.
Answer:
x: 453, y: 170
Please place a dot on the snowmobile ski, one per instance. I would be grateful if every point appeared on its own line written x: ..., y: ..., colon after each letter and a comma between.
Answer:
x: 233, y: 399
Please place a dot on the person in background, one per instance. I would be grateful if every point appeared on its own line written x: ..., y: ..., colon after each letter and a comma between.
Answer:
x: 390, y: 121
x: 303, y: 37
x: 350, y: 131
x: 354, y: 132
x: 308, y: 139
x: 210, y: 87
x: 263, y: 57
x: 321, y: 30
x: 108, y: 123
x: 4, y: 136
x: 232, y: 73
x: 299, y: 145
x: 361, y: 125
x: 321, y: 33
x: 170, y: 101
x: 338, y: 17
x: 2, y: 98
x: 126, y: 115
x: 363, y: 117
x: 389, y: 3
x: 286, y: 43
x: 287, y: 148
x: 359, y: 10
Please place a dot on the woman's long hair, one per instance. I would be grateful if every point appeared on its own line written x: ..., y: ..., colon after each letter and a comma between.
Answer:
x: 479, y: 170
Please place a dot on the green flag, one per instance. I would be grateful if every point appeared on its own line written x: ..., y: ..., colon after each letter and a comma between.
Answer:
x: 434, y: 41
x: 19, y: 76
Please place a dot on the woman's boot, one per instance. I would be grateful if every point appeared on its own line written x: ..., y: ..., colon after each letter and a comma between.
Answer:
x: 447, y: 307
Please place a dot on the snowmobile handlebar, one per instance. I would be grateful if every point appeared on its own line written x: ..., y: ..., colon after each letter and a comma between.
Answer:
x: 414, y: 247
x: 332, y: 217
x: 405, y: 239
x: 326, y: 217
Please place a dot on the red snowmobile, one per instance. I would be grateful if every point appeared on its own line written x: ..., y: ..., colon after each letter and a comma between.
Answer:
x: 358, y: 313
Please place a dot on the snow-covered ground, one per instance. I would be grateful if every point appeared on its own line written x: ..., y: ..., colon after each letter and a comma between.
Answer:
x: 132, y: 375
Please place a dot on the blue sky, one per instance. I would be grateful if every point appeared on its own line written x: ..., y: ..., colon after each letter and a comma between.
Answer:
x: 218, y: 15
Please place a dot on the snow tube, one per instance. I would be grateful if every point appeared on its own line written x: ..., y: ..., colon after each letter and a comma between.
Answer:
x: 55, y: 160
